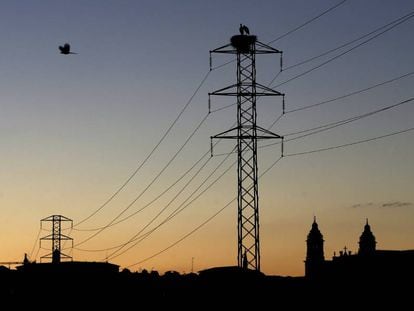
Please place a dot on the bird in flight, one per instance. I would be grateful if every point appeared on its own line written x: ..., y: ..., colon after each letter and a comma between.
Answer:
x: 65, y: 49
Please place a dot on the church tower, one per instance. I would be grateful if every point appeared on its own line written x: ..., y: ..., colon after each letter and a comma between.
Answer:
x: 314, y: 254
x: 367, y: 243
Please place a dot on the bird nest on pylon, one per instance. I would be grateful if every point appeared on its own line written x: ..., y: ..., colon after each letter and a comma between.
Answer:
x: 243, y: 43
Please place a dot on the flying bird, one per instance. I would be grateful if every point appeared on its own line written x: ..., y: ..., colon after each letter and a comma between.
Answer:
x: 65, y: 49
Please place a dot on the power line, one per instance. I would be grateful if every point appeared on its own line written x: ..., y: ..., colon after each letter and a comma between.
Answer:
x: 409, y: 16
x: 149, y: 155
x: 350, y: 144
x: 102, y: 228
x: 307, y: 22
x: 202, y: 224
x: 149, y: 185
x: 276, y: 120
x: 156, y: 198
x: 354, y: 118
x: 395, y: 23
x: 332, y: 99
x: 64, y: 243
x: 176, y: 212
x: 165, y: 207
x: 223, y: 108
x: 352, y: 93
x: 37, y: 253
x: 172, y: 125
x: 388, y: 29
x: 330, y: 126
x: 287, y: 155
x: 275, y: 77
x: 319, y: 129
x: 35, y: 243
x: 326, y: 127
x: 185, y: 236
x: 291, y: 31
x: 190, y: 232
x: 345, y: 44
x: 161, y: 211
x: 182, y: 176
x: 338, y: 98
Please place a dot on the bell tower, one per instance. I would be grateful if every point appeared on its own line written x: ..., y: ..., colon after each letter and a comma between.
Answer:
x: 314, y: 253
x: 367, y: 242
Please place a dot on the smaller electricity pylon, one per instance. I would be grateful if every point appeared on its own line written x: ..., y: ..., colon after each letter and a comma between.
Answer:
x: 56, y: 237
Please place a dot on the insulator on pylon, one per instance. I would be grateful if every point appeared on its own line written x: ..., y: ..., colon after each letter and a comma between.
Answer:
x: 281, y: 61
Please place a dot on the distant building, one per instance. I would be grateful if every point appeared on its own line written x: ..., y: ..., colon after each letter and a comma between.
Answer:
x: 73, y: 268
x: 368, y: 264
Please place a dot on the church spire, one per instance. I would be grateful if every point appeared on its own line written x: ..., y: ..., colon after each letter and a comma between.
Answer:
x: 314, y: 252
x: 315, y: 243
x: 367, y: 242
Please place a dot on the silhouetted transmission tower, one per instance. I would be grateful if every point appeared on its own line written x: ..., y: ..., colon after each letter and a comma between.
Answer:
x: 247, y: 132
x: 56, y: 237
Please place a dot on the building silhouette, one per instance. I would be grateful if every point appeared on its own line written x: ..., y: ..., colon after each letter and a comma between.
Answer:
x: 315, y: 258
x: 368, y: 277
x: 369, y: 264
x: 367, y: 242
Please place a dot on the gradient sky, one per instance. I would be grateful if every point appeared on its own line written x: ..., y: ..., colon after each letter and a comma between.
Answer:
x: 74, y: 128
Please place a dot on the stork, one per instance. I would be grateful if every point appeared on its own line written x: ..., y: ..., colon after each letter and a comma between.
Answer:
x: 241, y: 29
x: 65, y: 49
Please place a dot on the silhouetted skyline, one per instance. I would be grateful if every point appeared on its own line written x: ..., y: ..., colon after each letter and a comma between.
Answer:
x: 74, y: 129
x: 371, y: 277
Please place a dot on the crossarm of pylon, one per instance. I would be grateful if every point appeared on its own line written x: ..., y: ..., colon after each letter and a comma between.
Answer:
x: 267, y: 90
x: 50, y: 255
x: 51, y: 237
x: 48, y: 237
x: 223, y: 135
x: 269, y: 133
x: 232, y: 90
x: 65, y: 256
x: 223, y: 92
x: 53, y: 217
x: 262, y: 48
x: 65, y: 237
x: 224, y: 49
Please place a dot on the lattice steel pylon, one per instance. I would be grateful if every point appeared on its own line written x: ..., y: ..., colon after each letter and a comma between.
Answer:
x: 247, y: 133
x: 56, y: 237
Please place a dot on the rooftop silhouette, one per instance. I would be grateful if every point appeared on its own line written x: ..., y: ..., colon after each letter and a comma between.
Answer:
x: 384, y: 272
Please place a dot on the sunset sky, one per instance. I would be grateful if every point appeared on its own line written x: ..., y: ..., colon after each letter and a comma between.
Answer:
x: 73, y: 128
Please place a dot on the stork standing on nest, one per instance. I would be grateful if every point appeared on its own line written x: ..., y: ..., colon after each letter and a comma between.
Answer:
x: 241, y: 29
x: 244, y: 30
